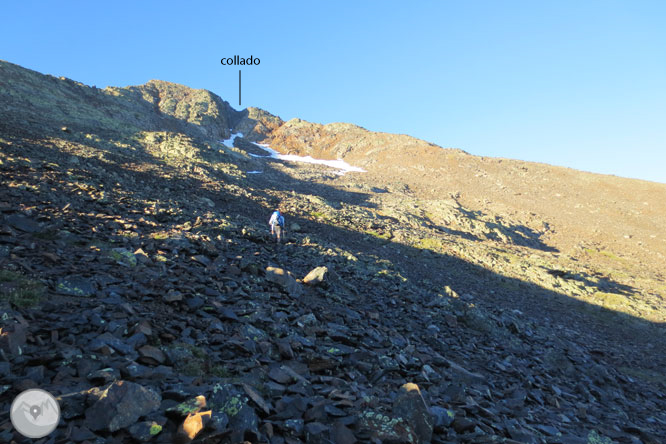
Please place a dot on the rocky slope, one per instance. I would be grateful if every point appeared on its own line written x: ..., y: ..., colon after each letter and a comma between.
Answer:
x: 459, y: 302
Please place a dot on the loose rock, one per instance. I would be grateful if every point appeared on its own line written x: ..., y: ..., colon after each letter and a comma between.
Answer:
x: 120, y: 405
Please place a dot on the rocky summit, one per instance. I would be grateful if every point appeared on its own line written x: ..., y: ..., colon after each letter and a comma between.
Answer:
x: 436, y: 297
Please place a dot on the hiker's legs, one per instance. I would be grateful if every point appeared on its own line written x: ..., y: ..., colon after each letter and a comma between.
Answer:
x: 278, y: 232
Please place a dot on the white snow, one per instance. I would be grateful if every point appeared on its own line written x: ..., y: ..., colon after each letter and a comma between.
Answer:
x: 338, y: 164
x: 230, y: 142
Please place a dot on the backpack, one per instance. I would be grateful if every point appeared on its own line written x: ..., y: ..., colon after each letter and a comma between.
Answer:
x: 279, y: 220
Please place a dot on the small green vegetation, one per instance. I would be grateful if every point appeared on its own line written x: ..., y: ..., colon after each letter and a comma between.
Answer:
x: 430, y: 243
x: 19, y: 290
x: 430, y: 216
x: 220, y: 372
x: 378, y: 234
x: 610, y: 255
x: 190, y: 360
x: 191, y: 368
x: 517, y: 259
x: 594, y: 438
x: 123, y: 256
x: 192, y: 405
x: 155, y: 429
x: 610, y: 300
x: 197, y: 352
x: 606, y: 253
x: 70, y: 288
x: 318, y: 216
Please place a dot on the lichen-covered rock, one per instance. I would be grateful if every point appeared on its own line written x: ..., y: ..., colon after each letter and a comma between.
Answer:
x: 442, y: 417
x: 145, y: 431
x: 253, y: 333
x: 375, y: 425
x: 411, y: 406
x: 228, y: 400
x: 75, y: 286
x: 188, y: 407
x: 120, y: 405
x: 123, y: 256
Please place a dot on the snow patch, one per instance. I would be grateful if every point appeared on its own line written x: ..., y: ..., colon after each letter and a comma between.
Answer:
x: 230, y: 142
x: 339, y: 164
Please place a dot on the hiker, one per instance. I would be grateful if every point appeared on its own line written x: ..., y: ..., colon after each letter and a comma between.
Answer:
x: 277, y: 224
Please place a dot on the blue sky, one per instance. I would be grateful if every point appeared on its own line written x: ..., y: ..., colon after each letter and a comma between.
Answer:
x: 571, y: 83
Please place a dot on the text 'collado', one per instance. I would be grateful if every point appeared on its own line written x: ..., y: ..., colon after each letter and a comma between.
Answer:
x: 238, y: 60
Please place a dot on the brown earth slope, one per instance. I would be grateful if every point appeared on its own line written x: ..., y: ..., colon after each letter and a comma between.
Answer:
x: 612, y: 225
x: 623, y: 215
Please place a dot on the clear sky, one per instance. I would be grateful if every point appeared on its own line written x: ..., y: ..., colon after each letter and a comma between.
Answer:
x: 580, y: 84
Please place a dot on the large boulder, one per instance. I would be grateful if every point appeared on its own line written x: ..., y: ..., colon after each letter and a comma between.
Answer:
x: 316, y: 277
x: 120, y: 405
x: 284, y: 279
x: 411, y: 406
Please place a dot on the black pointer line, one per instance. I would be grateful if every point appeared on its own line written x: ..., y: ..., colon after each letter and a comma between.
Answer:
x: 239, y: 88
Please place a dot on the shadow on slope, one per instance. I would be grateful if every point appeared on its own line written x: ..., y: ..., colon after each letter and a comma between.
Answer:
x: 178, y: 199
x: 600, y: 283
x: 515, y: 234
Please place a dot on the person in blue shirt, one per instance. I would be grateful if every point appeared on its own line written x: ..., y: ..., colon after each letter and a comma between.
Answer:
x: 277, y: 224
